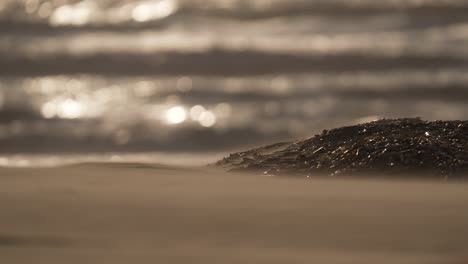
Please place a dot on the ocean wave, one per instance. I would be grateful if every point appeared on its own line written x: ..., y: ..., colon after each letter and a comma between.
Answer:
x: 95, y: 113
x: 123, y: 75
x: 316, y: 41
x: 214, y: 63
x: 80, y: 13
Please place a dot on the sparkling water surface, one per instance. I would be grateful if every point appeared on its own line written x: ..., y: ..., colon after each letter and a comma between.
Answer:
x: 167, y: 76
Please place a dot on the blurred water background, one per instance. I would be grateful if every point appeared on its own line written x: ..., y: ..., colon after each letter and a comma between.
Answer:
x: 142, y: 80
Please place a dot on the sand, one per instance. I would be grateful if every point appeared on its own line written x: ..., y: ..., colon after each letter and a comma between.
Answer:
x: 131, y: 213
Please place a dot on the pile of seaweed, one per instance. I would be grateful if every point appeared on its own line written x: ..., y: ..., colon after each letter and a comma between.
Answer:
x: 408, y: 146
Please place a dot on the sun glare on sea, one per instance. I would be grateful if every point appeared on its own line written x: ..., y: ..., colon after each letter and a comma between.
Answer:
x: 176, y: 115
x: 151, y: 10
x: 204, y: 117
x: 66, y: 109
x: 78, y: 14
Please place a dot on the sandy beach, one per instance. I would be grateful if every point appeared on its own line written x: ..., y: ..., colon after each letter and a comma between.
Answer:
x: 123, y: 213
x: 119, y: 87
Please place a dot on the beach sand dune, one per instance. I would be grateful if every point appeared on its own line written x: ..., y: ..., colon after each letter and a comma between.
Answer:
x: 132, y: 213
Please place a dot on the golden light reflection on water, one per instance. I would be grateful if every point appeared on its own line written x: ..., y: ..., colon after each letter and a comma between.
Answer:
x: 78, y: 14
x: 196, y: 111
x: 207, y: 119
x: 91, y: 97
x: 63, y: 108
x: 127, y: 110
x: 186, y: 34
x: 154, y: 9
x: 392, y: 42
x: 176, y: 115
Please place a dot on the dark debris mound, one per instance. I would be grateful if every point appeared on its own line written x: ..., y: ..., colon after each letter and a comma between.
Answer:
x: 407, y: 146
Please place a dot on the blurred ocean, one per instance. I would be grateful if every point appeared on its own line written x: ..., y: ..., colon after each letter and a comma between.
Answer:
x: 202, y: 76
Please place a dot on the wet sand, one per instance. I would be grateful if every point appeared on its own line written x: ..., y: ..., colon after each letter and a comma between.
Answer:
x: 123, y: 213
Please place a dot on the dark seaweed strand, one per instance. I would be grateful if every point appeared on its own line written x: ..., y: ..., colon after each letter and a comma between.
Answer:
x: 408, y: 146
